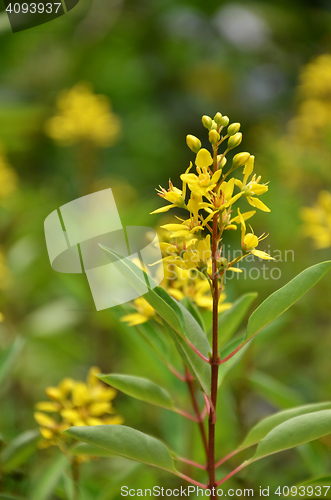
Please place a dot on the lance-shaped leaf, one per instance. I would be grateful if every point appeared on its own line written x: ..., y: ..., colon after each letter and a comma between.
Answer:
x: 90, y: 451
x: 274, y: 391
x: 139, y: 388
x: 9, y: 356
x: 126, y: 442
x: 285, y: 297
x: 172, y: 312
x: 44, y: 486
x: 230, y: 320
x: 294, y: 432
x: 19, y: 450
x: 266, y: 425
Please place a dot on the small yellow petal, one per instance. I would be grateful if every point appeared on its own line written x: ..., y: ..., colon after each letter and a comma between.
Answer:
x: 255, y: 202
x: 44, y: 420
x: 47, y: 406
x: 98, y: 409
x: 203, y: 158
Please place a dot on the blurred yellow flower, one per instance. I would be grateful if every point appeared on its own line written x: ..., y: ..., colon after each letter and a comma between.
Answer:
x: 75, y: 403
x: 313, y: 120
x: 8, y: 177
x: 83, y: 115
x: 143, y: 314
x: 317, y: 221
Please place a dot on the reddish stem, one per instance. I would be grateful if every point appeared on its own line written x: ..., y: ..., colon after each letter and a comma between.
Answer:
x: 221, y: 361
x: 220, y: 462
x: 214, y: 361
x: 190, y: 462
x: 190, y: 480
x: 185, y: 414
x: 231, y: 474
x: 189, y: 380
x: 176, y: 373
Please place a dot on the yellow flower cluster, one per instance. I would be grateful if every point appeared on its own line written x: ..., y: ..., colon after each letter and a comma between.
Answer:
x: 313, y: 120
x: 75, y: 403
x: 208, y: 196
x: 317, y: 221
x: 8, y: 177
x: 211, y: 200
x: 84, y: 116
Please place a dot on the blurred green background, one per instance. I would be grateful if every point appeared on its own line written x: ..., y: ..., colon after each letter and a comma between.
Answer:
x: 163, y: 64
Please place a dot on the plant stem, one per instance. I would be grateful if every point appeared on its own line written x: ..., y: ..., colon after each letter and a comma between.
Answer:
x: 75, y: 477
x: 189, y: 380
x: 214, y: 358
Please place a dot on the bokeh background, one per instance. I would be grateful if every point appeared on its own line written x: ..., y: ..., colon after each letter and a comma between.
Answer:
x: 161, y: 66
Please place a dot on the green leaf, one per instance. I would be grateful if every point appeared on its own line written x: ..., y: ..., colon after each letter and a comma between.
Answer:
x: 126, y: 442
x: 230, y: 320
x: 90, y: 450
x: 49, y: 478
x: 9, y: 356
x: 191, y: 307
x: 19, y: 450
x: 277, y: 393
x: 139, y: 388
x: 285, y: 297
x: 172, y: 312
x: 294, y: 432
x: 266, y: 425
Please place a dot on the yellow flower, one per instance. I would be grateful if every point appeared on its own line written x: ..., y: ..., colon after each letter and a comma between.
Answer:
x: 253, y: 187
x: 249, y: 242
x: 75, y: 403
x: 174, y: 195
x: 83, y: 115
x: 317, y: 221
x: 202, y: 183
x: 144, y: 313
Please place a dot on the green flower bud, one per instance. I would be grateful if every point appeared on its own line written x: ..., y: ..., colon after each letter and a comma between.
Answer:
x: 214, y: 136
x: 233, y: 128
x: 235, y: 140
x: 214, y: 125
x: 225, y: 121
x: 240, y: 159
x: 218, y: 118
x: 193, y: 143
x: 222, y: 263
x: 207, y: 121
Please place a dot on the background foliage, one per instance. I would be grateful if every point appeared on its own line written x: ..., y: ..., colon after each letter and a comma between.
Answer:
x: 162, y: 64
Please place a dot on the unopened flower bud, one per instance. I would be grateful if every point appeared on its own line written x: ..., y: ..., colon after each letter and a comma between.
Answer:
x: 214, y: 125
x: 218, y: 118
x: 233, y: 128
x: 214, y: 136
x: 225, y: 121
x: 250, y: 241
x: 207, y: 121
x: 193, y: 143
x: 221, y: 161
x: 240, y: 159
x: 235, y: 140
